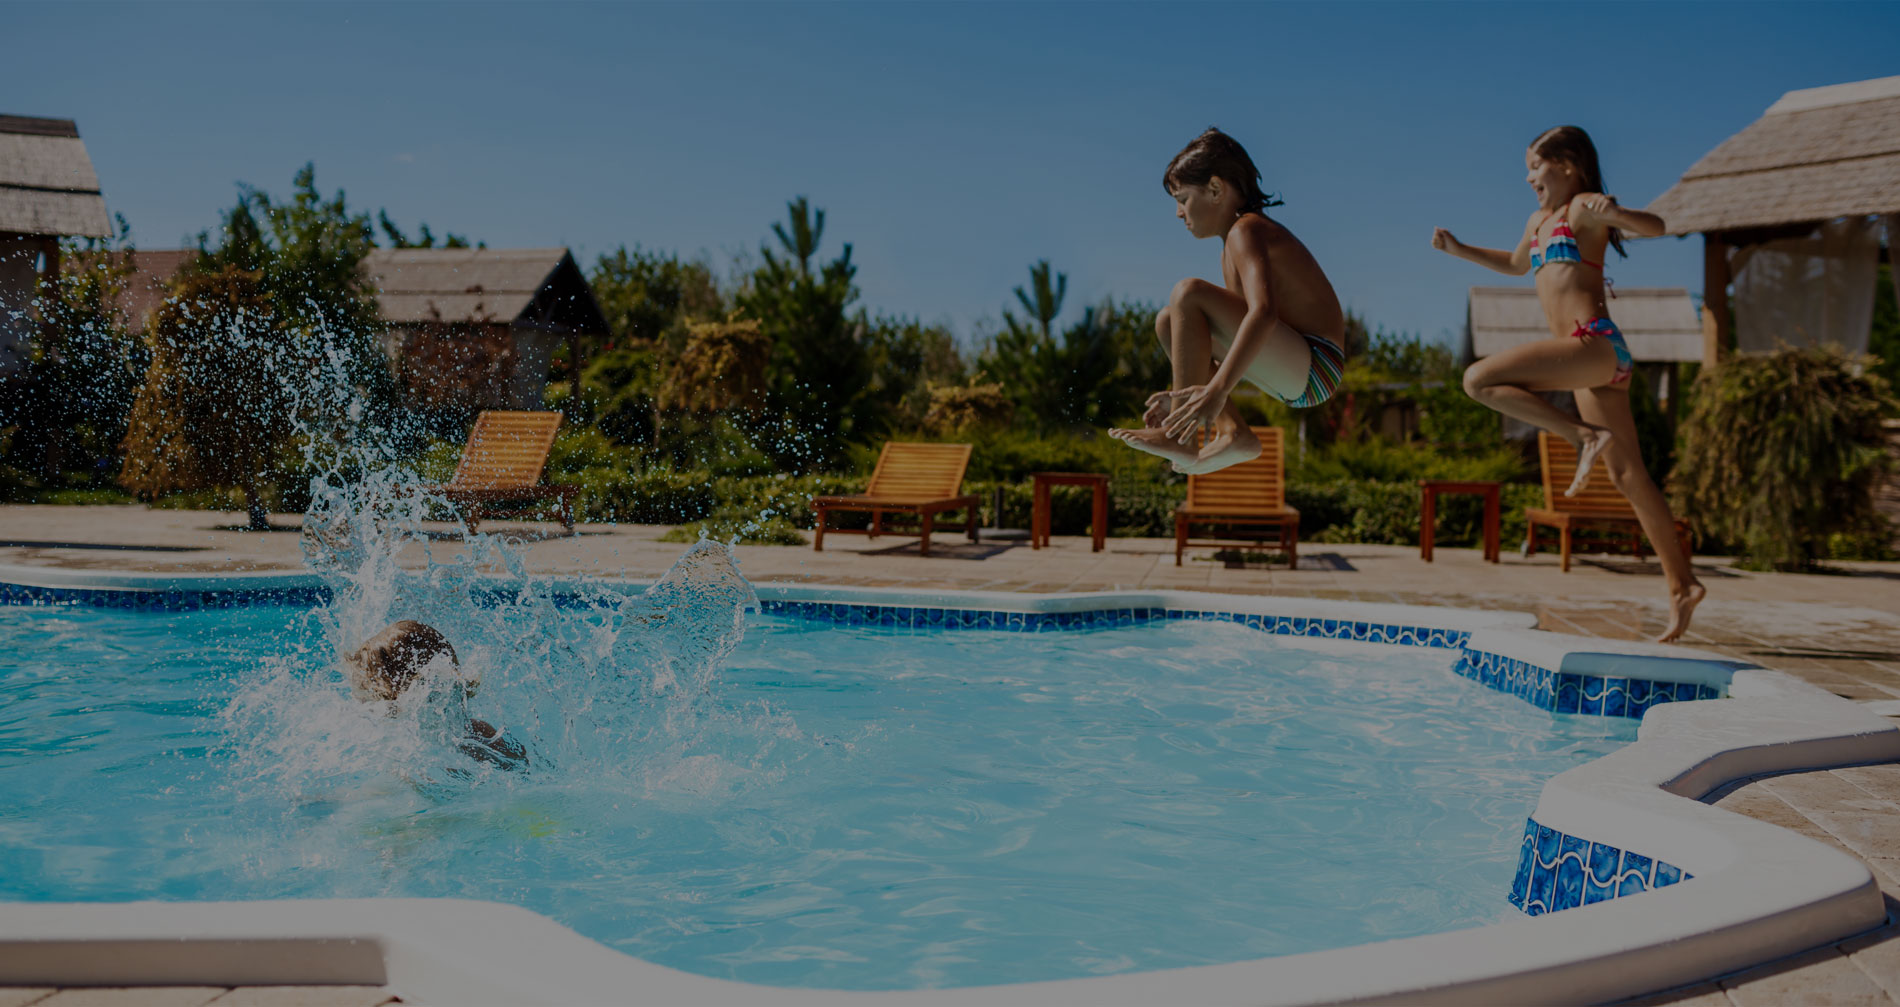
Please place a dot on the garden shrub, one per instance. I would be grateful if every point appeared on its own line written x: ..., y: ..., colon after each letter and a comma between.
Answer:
x: 1782, y: 453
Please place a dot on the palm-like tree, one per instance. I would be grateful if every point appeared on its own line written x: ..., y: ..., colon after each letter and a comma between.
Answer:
x: 807, y: 230
x: 1046, y: 302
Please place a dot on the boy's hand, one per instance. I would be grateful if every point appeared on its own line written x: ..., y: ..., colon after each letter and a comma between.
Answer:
x: 1442, y: 240
x: 1196, y: 411
x: 1159, y: 407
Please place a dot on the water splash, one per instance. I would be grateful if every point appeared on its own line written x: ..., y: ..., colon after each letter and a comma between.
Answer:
x: 597, y: 681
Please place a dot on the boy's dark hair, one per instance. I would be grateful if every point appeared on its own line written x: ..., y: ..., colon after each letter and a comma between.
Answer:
x: 395, y: 656
x: 1572, y: 145
x: 1212, y: 154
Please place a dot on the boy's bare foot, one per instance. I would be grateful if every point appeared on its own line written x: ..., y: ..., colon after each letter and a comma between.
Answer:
x: 1681, y: 607
x: 1156, y: 442
x: 1594, y: 441
x: 1227, y: 448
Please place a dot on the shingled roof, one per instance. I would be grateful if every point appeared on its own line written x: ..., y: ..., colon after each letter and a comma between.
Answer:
x: 528, y: 287
x: 1816, y: 154
x: 1659, y: 323
x: 47, y: 185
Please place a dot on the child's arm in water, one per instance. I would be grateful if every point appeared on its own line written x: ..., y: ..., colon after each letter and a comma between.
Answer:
x: 486, y: 743
x: 1515, y: 262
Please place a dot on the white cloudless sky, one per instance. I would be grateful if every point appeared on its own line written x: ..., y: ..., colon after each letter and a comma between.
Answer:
x: 952, y: 144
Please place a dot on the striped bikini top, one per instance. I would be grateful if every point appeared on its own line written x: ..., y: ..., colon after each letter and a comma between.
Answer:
x: 1562, y: 248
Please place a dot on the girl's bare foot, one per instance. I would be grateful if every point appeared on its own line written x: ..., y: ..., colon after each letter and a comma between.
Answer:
x: 1594, y: 441
x: 1681, y: 607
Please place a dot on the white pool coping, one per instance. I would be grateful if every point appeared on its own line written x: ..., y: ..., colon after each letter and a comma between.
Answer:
x: 1758, y: 893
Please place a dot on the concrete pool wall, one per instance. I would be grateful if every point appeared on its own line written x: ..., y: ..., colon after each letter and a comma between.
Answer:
x: 1753, y: 891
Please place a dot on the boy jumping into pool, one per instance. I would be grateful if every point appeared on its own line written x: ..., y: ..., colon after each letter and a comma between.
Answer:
x: 1274, y: 321
x: 386, y: 665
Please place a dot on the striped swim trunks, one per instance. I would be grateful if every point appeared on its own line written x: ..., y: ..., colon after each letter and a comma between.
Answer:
x: 1322, y: 378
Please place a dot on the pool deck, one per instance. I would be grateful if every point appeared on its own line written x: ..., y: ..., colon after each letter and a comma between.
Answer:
x: 1840, y: 631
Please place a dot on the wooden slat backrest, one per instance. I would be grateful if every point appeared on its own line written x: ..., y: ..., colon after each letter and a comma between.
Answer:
x: 1259, y: 484
x: 1598, y: 496
x: 506, y: 450
x: 910, y: 471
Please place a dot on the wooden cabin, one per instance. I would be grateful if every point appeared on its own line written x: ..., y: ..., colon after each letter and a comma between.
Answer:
x: 48, y: 191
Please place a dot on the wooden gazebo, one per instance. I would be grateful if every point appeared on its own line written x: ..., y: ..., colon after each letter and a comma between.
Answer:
x: 47, y: 191
x: 1816, y: 155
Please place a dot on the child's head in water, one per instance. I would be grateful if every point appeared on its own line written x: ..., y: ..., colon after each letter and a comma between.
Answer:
x: 388, y: 663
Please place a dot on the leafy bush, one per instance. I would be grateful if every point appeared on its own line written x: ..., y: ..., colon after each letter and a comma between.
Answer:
x: 1782, y: 453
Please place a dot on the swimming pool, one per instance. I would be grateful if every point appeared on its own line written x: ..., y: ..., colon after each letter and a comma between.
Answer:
x: 1755, y: 892
x: 840, y: 806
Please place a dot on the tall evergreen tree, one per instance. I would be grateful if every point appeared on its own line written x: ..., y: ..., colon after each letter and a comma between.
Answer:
x: 819, y: 368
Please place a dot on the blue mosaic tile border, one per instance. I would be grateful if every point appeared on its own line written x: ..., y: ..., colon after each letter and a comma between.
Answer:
x: 895, y: 617
x: 902, y: 617
x: 1567, y: 692
x: 1556, y: 871
x: 164, y: 601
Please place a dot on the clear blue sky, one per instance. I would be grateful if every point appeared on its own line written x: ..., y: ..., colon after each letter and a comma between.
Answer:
x: 951, y: 144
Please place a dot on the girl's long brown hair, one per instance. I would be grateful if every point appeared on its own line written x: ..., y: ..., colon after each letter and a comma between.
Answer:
x: 1572, y: 145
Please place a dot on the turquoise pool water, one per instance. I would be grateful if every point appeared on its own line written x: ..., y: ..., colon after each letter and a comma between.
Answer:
x: 786, y: 802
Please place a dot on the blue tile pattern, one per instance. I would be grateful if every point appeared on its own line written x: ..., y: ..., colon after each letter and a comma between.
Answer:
x: 1541, y: 687
x: 1566, y: 692
x: 898, y: 617
x: 1556, y: 871
x: 164, y: 601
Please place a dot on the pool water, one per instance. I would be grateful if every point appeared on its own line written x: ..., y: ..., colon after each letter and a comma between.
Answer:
x: 759, y: 798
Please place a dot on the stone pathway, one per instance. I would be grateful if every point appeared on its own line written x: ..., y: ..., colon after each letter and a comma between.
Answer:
x: 1840, y: 631
x: 199, y: 996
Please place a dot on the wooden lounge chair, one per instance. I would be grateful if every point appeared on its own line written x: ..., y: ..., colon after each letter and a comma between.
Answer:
x: 1598, y: 517
x: 1247, y: 502
x: 502, y: 464
x: 920, y: 479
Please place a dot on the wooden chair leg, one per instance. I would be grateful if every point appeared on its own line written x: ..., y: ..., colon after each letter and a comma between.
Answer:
x: 929, y: 518
x: 1290, y: 540
x: 1564, y: 538
x: 1180, y: 536
x: 567, y: 512
x: 818, y: 533
x: 969, y: 522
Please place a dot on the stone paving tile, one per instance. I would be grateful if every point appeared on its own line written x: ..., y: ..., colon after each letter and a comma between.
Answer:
x: 1699, y: 995
x: 1882, y: 782
x: 1825, y: 792
x: 1878, y: 954
x: 134, y: 996
x: 1823, y: 977
x: 21, y: 996
x: 307, y: 996
x: 1867, y: 834
x: 1761, y: 804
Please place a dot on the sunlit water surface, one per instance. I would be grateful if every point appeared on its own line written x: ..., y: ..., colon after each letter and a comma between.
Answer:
x: 781, y: 802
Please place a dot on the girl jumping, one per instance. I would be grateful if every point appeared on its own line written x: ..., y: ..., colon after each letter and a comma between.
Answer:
x: 1274, y: 321
x: 1563, y: 244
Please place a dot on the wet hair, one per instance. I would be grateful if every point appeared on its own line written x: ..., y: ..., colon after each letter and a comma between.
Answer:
x: 1572, y: 145
x: 1214, y: 154
x: 394, y: 657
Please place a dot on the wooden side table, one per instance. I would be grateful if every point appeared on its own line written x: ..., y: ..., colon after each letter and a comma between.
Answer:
x: 1039, y: 511
x: 1428, y: 513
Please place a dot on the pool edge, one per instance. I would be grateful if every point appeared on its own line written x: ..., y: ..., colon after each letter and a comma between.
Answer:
x: 1759, y: 892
